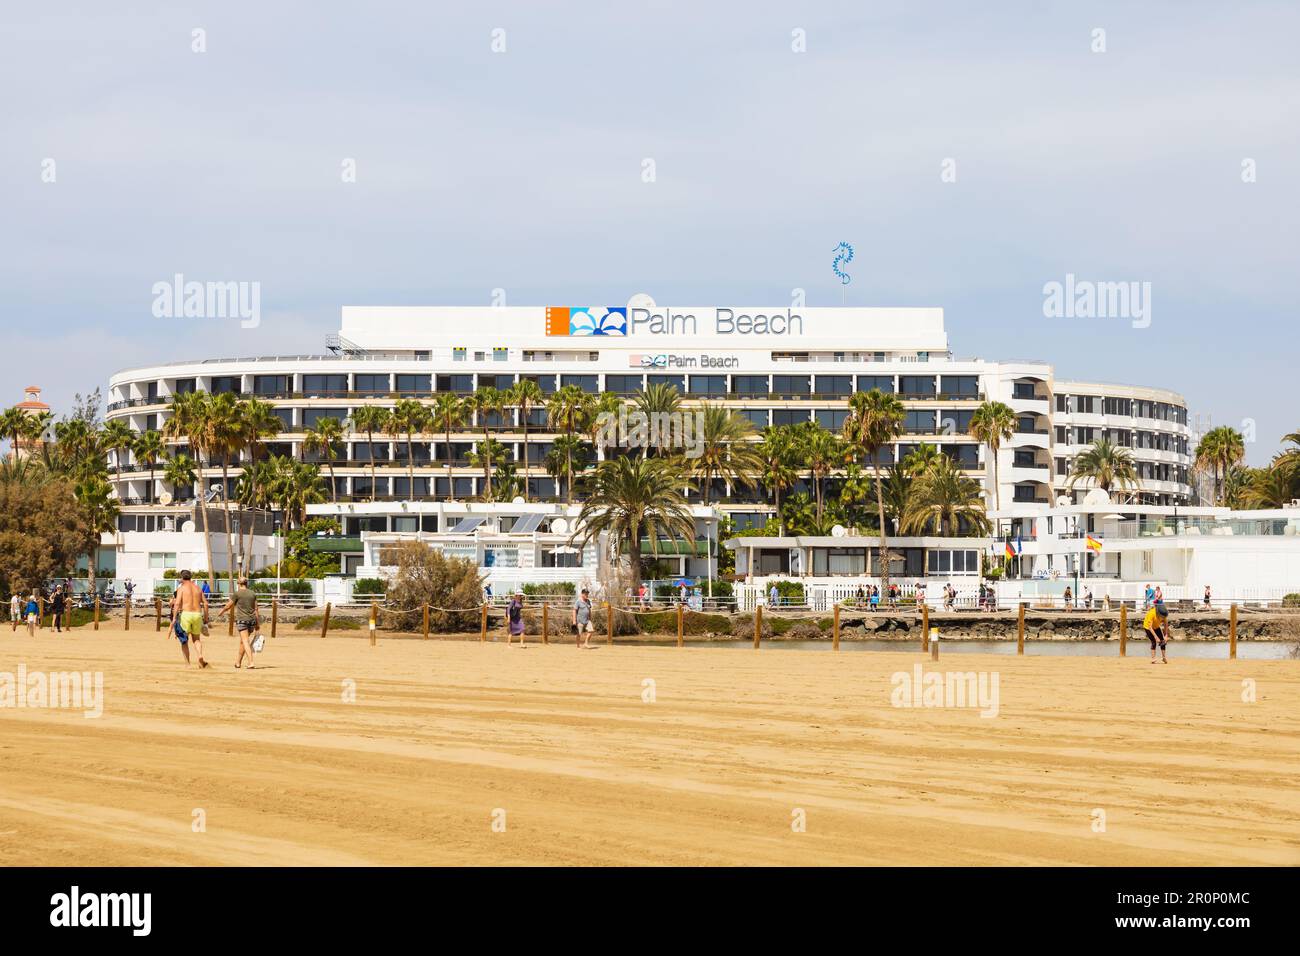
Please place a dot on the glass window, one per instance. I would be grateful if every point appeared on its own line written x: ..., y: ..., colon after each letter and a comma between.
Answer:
x: 676, y: 381
x: 789, y: 416
x: 460, y: 384
x: 546, y: 382
x: 316, y: 386
x: 791, y: 385
x: 965, y: 386
x: 162, y: 559
x: 310, y: 416
x: 751, y: 385
x: 955, y: 422
x: 884, y: 383
x: 587, y: 383
x: 371, y: 384
x: 412, y: 385
x: 225, y: 383
x: 831, y: 419
x: 758, y: 416
x: 271, y: 385
x: 708, y: 385
x: 183, y: 386
x: 963, y: 456
x: 286, y: 418
x: 919, y: 422
x: 911, y: 385
x: 833, y: 385
x: 623, y: 384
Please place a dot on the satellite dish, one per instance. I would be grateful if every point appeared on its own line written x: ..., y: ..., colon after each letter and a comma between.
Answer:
x: 1063, y: 501
x: 165, y: 498
x: 640, y: 300
x: 559, y: 526
x: 518, y: 500
x: 1097, y: 496
x: 839, y: 531
x: 188, y: 527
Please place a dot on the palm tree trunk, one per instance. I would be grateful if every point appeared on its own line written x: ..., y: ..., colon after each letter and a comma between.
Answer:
x: 780, y: 521
x: 447, y: 450
x: 487, y: 461
x: 568, y: 486
x: 410, y: 469
x: 329, y: 463
x: 523, y: 416
x: 203, y: 511
x: 370, y: 443
x: 225, y: 509
x: 880, y: 510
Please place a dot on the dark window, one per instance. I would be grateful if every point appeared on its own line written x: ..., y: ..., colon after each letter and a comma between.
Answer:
x: 411, y: 385
x: 310, y: 416
x: 324, y: 386
x: 790, y: 385
x: 954, y: 422
x: 225, y: 383
x: 371, y: 384
x: 184, y: 386
x: 833, y: 385
x: 789, y: 416
x: 758, y: 416
x: 361, y: 451
x: 919, y: 422
x: 708, y: 384
x: 546, y: 382
x: 623, y: 384
x: 286, y: 417
x: 501, y: 382
x: 884, y: 383
x: 676, y: 381
x: 151, y: 391
x: 912, y: 385
x: 271, y: 385
x: 965, y: 386
x: 587, y: 383
x: 831, y: 418
x: 460, y: 384
x: 751, y: 385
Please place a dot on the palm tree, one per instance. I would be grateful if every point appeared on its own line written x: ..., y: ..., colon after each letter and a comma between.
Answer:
x: 189, y: 421
x: 563, y: 413
x: 255, y: 492
x: 526, y: 395
x: 726, y: 451
x: 1236, y: 483
x: 875, y: 420
x: 897, y: 488
x: 409, y: 417
x: 78, y: 450
x: 657, y: 403
x: 920, y: 459
x: 1109, y: 466
x: 483, y: 456
x: 257, y: 423
x: 1272, y: 487
x: 1219, y: 449
x: 11, y: 427
x: 149, y: 449
x: 449, y: 412
x: 777, y: 453
x: 118, y: 437
x: 559, y: 461
x: 178, y: 471
x: 294, y: 485
x: 823, y: 453
x: 1290, y: 457
x: 224, y: 437
x: 323, y: 438
x: 943, y: 498
x: 993, y: 423
x: 631, y: 497
x: 595, y: 408
x: 485, y: 400
x: 95, y: 497
x: 370, y: 419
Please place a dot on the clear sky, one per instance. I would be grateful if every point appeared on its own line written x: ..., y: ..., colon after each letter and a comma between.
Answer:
x: 524, y: 170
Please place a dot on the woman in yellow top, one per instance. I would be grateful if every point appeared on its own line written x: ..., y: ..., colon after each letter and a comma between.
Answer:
x: 1156, y: 624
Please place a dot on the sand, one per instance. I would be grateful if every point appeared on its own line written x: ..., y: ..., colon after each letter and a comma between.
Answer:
x: 459, y: 753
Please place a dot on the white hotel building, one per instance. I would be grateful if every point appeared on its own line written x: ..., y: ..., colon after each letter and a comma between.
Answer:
x: 774, y: 366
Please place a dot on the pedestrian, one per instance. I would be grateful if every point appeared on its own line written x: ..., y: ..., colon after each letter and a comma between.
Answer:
x: 1069, y: 597
x: 190, y: 612
x: 15, y: 610
x: 875, y: 598
x: 582, y: 627
x: 33, y: 614
x: 515, y: 618
x: 1148, y: 595
x: 773, y: 596
x: 243, y: 604
x: 1156, y: 625
x: 59, y: 607
x: 1207, y: 597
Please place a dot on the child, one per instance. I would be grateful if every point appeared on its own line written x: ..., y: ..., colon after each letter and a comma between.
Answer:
x: 1156, y: 624
x: 33, y: 614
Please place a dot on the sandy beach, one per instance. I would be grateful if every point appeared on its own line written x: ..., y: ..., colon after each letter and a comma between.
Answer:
x: 455, y: 752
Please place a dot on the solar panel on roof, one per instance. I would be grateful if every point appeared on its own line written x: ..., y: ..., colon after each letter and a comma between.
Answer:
x: 466, y: 525
x: 527, y: 524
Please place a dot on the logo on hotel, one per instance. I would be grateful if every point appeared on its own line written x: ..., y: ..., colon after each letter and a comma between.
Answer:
x: 586, y: 320
x: 647, y: 361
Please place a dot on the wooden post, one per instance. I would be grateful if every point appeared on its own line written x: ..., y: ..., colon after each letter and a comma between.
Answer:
x: 157, y: 613
x: 230, y: 624
x: 546, y: 623
x: 40, y: 612
x: 835, y: 629
x: 426, y: 622
x: 925, y: 628
x: 275, y: 614
x: 609, y: 623
x: 1232, y: 633
x: 325, y: 622
x: 1020, y: 629
x: 127, y: 620
x: 96, y: 612
x: 758, y: 624
x: 934, y: 646
x: 482, y: 628
x: 1123, y: 629
x: 374, y: 619
x: 681, y: 626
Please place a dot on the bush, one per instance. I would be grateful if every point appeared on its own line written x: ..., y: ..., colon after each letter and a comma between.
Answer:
x: 369, y: 586
x: 1291, y: 600
x: 286, y: 587
x: 564, y: 588
x: 665, y: 622
x: 312, y: 622
x: 791, y: 592
x: 742, y: 626
x: 452, y: 587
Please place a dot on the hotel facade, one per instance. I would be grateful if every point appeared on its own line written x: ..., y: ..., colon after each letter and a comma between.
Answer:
x: 774, y: 366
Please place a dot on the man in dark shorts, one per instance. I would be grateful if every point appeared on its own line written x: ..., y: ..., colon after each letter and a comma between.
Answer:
x: 243, y: 603
x: 59, y: 606
x: 1156, y: 624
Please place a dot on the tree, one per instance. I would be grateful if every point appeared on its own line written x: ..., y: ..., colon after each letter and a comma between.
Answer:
x: 323, y: 439
x: 294, y: 485
x: 657, y: 403
x: 633, y: 496
x: 451, y: 587
x: 99, y: 510
x: 559, y: 461
x: 149, y: 449
x: 43, y: 529
x: 777, y: 454
x: 409, y: 417
x: 526, y: 395
x: 1272, y: 487
x: 945, y: 499
x: 370, y: 419
x: 224, y: 436
x: 482, y: 456
x: 920, y: 459
x: 188, y: 421
x: 1219, y: 449
x: 257, y: 423
x: 726, y: 449
x: 993, y: 423
x: 1109, y: 466
x: 449, y: 412
x: 178, y: 471
x: 563, y: 413
x: 118, y: 438
x: 875, y: 420
x: 823, y: 453
x: 485, y: 401
x: 11, y: 427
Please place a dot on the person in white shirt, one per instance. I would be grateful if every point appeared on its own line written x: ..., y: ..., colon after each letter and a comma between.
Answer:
x: 15, y: 610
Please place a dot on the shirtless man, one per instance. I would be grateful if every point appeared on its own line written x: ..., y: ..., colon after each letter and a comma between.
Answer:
x: 190, y: 608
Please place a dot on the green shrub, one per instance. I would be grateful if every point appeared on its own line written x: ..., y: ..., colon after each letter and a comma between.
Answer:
x: 286, y: 587
x: 547, y: 590
x: 665, y: 622
x: 312, y: 622
x: 1291, y: 600
x: 369, y: 586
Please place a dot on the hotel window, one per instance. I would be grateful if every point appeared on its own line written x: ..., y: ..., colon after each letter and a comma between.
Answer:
x: 919, y: 422
x: 271, y: 385
x: 460, y: 384
x: 676, y: 381
x: 162, y: 560
x: 500, y: 355
x: 708, y: 385
x: 411, y: 385
x: 184, y: 386
x: 963, y: 456
x: 225, y: 383
x: 912, y: 386
x: 758, y: 416
x: 151, y: 391
x: 545, y: 382
x: 955, y: 422
x: 371, y: 384
x: 750, y: 385
x: 1063, y: 403
x: 317, y: 386
x: 883, y: 382
x: 832, y: 419
x: 286, y: 418
x: 361, y: 451
x: 457, y: 355
x: 1085, y: 404
x: 965, y: 386
x: 1118, y: 406
x: 499, y: 382
x: 588, y: 383
x: 1063, y: 467
x: 310, y: 416
x: 789, y: 416
x: 791, y: 385
x: 833, y: 385
x: 151, y: 422
x: 623, y: 384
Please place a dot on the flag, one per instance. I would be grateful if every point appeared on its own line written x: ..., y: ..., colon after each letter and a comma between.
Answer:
x: 1093, y: 544
x: 1020, y: 545
x: 1011, y: 552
